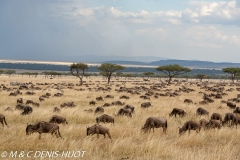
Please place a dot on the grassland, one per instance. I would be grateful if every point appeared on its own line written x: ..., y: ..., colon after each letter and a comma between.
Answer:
x: 128, y: 142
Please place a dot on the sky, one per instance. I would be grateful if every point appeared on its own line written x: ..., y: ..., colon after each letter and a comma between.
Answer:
x: 64, y: 30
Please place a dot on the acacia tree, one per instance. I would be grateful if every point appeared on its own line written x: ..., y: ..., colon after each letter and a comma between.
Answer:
x: 77, y: 69
x: 172, y: 70
x: 108, y: 69
x: 148, y: 74
x: 232, y: 72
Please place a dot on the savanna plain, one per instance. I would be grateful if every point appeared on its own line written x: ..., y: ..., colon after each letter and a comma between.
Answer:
x: 128, y: 141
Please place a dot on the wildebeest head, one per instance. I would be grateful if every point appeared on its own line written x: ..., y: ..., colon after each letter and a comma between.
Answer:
x: 29, y: 129
x: 89, y: 131
x: 181, y: 130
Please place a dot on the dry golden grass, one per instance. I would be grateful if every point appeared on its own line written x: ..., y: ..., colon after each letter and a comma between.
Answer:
x: 127, y: 139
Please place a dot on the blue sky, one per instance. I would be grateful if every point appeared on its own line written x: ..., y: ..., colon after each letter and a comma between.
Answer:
x: 66, y: 29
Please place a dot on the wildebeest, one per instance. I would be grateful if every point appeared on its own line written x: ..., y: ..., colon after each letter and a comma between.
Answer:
x: 105, y: 119
x: 228, y: 118
x: 89, y: 110
x: 216, y: 116
x: 20, y: 106
x: 123, y: 111
x: 130, y: 107
x: 41, y: 99
x: 203, y: 122
x: 213, y: 124
x: 29, y: 102
x: 8, y: 109
x: 190, y: 125
x: 43, y: 127
x: 58, y: 120
x: 231, y: 105
x: 98, y: 129
x: 92, y: 103
x: 56, y: 109
x: 237, y: 110
x: 27, y: 110
x: 99, y: 110
x: 201, y: 111
x: 154, y: 122
x: 99, y: 98
x: 146, y: 105
x: 177, y: 111
x: 188, y: 101
x: 20, y: 100
x: 236, y: 121
x: 3, y: 120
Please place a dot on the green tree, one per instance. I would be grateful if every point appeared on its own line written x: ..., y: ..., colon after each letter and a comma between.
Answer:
x: 108, y: 69
x: 232, y: 72
x: 1, y: 71
x: 172, y: 70
x: 200, y: 76
x: 78, y: 69
x: 148, y: 74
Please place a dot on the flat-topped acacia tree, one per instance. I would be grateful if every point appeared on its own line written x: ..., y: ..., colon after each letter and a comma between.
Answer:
x: 172, y: 70
x: 78, y: 69
x: 232, y: 72
x: 108, y: 69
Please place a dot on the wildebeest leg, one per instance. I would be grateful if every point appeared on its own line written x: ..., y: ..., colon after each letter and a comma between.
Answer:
x: 6, y: 122
x: 109, y: 135
x: 59, y: 134
x: 2, y: 125
x: 39, y: 135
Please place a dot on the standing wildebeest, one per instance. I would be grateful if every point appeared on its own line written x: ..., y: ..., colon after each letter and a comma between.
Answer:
x: 27, y: 110
x: 228, y: 118
x: 98, y: 129
x: 190, y: 125
x: 20, y: 100
x: 99, y: 110
x: 146, y: 105
x: 43, y: 127
x: 177, y: 111
x: 188, y: 101
x: 236, y: 121
x: 123, y: 111
x: 203, y: 122
x: 130, y: 107
x: 29, y: 102
x: 237, y: 110
x: 216, y: 116
x: 58, y: 119
x: 105, y: 118
x: 213, y: 124
x: 3, y: 120
x: 201, y: 111
x: 56, y: 109
x: 154, y: 122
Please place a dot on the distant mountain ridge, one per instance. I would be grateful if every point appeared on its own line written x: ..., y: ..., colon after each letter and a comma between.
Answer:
x: 186, y: 63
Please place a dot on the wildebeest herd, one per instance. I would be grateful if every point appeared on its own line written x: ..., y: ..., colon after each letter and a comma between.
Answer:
x: 205, y: 107
x: 216, y: 120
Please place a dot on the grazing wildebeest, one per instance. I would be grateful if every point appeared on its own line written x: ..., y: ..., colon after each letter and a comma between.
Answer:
x: 123, y: 111
x: 20, y: 100
x: 56, y: 109
x: 177, y: 111
x: 3, y: 120
x: 130, y: 107
x: 201, y: 111
x: 213, y: 124
x: 146, y: 105
x: 190, y: 125
x: 237, y: 110
x: 228, y: 119
x: 216, y: 116
x: 41, y: 99
x: 98, y: 129
x: 99, y: 110
x: 236, y: 121
x: 58, y: 120
x: 105, y: 119
x: 154, y: 122
x: 27, y: 110
x: 188, y: 101
x: 29, y: 102
x: 43, y: 127
x: 203, y: 122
